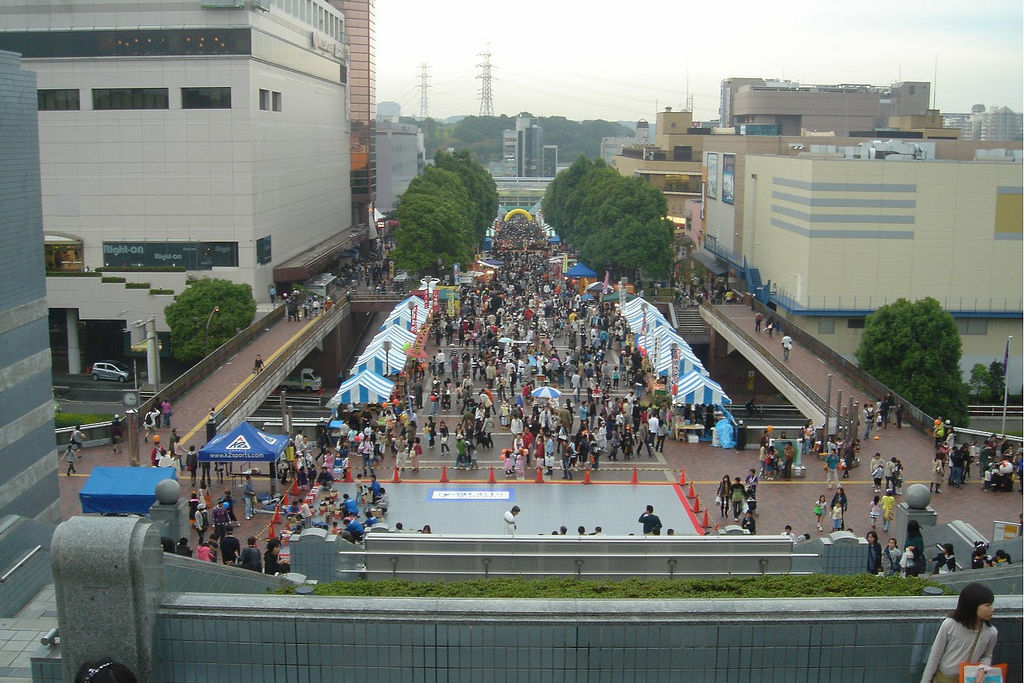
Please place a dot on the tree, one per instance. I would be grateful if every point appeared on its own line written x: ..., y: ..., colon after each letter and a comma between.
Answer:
x: 483, y: 193
x: 986, y: 384
x: 208, y: 313
x: 431, y: 229
x: 914, y: 348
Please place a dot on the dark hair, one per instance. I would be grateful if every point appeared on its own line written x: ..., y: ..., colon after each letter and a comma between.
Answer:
x: 871, y: 534
x: 104, y: 671
x: 972, y: 595
x: 913, y: 528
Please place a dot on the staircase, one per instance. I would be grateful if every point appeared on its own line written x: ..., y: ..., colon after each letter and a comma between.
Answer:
x: 754, y: 284
x: 691, y: 326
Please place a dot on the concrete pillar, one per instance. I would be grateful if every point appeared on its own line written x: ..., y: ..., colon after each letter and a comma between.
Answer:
x: 109, y: 579
x: 74, y: 351
x: 915, y: 506
x: 170, y: 511
x: 152, y: 354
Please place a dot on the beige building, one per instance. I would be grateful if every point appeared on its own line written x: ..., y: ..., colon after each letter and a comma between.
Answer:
x: 834, y: 239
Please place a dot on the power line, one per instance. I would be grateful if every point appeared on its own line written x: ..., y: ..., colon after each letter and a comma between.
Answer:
x: 424, y: 86
x: 486, y: 105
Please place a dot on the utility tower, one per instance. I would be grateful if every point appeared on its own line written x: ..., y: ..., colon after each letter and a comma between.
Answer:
x: 486, y: 105
x: 424, y: 86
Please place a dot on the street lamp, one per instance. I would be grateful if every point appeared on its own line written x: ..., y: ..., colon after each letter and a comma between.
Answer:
x: 386, y: 344
x: 206, y: 334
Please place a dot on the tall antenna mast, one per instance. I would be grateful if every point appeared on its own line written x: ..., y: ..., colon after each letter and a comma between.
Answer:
x: 486, y: 104
x: 424, y: 86
x: 689, y: 97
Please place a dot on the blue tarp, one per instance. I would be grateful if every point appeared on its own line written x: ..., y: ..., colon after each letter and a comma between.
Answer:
x: 129, y: 490
x: 580, y: 270
x: 244, y: 443
x: 726, y: 432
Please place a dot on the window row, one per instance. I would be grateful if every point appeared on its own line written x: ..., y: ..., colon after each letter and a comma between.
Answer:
x: 270, y: 100
x: 64, y: 99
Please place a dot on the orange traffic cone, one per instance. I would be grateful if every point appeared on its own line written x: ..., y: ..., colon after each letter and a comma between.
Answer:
x: 348, y: 475
x: 490, y: 475
x: 716, y: 527
x: 586, y: 477
x: 540, y: 475
x: 635, y: 478
x: 696, y: 504
x: 444, y: 474
x: 397, y: 479
x: 295, y: 487
x: 284, y: 500
x: 691, y: 493
x: 277, y: 515
x: 270, y: 534
x: 705, y: 523
x: 682, y: 477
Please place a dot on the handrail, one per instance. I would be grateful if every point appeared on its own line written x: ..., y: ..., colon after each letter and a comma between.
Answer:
x: 800, y: 385
x: 205, y: 367
x: 259, y: 382
x: 912, y: 414
x: 20, y: 563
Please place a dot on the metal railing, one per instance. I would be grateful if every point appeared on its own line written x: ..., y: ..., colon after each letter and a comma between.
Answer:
x: 868, y: 304
x: 788, y: 374
x: 865, y: 382
x: 995, y: 411
x: 266, y: 381
x: 20, y: 563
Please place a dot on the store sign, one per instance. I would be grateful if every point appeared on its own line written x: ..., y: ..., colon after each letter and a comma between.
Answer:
x: 326, y: 44
x: 470, y: 495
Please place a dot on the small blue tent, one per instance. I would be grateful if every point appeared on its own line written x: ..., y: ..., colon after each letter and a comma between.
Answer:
x: 244, y: 443
x: 124, y: 490
x: 580, y: 270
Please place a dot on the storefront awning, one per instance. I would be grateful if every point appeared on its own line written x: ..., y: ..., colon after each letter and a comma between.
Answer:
x: 709, y: 261
x: 315, y: 259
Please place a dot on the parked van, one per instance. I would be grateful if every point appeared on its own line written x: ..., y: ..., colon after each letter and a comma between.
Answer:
x: 321, y: 285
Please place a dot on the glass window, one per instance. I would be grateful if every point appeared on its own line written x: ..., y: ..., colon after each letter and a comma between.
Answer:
x: 128, y: 42
x: 218, y: 254
x: 826, y: 326
x: 855, y: 323
x: 63, y: 253
x: 206, y: 98
x: 277, y: 101
x: 263, y: 250
x: 59, y: 100
x: 129, y: 98
x: 264, y: 100
x: 971, y: 326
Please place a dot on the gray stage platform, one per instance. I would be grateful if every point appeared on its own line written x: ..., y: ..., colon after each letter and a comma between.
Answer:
x: 460, y: 508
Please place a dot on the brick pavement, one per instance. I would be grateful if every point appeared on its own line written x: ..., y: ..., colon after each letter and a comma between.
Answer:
x: 779, y: 502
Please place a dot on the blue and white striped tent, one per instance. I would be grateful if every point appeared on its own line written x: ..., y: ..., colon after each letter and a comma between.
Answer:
x: 697, y: 388
x: 400, y: 315
x: 397, y: 335
x: 365, y: 387
x: 380, y: 361
x: 688, y: 362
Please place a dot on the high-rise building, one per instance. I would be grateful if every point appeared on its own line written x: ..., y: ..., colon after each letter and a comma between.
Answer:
x: 389, y: 111
x: 400, y: 158
x: 549, y: 164
x: 529, y: 148
x: 360, y: 25
x: 28, y: 466
x: 215, y: 140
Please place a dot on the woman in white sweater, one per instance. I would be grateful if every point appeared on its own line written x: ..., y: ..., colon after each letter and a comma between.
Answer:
x: 965, y: 636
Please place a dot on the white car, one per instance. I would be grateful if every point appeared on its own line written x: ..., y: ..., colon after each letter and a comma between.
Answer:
x: 110, y: 370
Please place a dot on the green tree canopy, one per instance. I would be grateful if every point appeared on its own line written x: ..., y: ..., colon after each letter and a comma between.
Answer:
x: 442, y: 184
x: 617, y: 223
x: 986, y: 384
x: 208, y: 313
x: 914, y: 348
x: 483, y: 193
x: 431, y: 228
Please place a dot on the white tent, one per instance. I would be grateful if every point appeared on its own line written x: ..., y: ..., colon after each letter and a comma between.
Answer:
x: 380, y: 361
x: 396, y: 334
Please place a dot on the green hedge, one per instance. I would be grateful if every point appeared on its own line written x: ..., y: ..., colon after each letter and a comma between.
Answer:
x: 142, y: 269
x: 74, y: 419
x: 775, y: 586
x: 114, y: 280
x: 72, y: 273
x: 137, y: 285
x: 161, y: 291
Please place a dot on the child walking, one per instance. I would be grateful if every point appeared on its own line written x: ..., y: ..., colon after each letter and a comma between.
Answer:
x: 819, y: 510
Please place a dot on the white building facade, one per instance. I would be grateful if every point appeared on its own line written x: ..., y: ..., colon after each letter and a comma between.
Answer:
x: 208, y: 135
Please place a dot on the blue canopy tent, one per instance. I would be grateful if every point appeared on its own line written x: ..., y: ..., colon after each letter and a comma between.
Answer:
x: 244, y: 443
x: 555, y: 239
x: 122, y: 490
x: 381, y: 362
x: 397, y: 335
x: 580, y: 270
x: 364, y: 387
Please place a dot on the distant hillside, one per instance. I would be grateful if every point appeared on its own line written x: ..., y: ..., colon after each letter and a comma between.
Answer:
x: 481, y: 135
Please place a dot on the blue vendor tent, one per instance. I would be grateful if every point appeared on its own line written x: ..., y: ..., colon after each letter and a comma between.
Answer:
x: 123, y: 490
x: 580, y: 270
x: 244, y: 443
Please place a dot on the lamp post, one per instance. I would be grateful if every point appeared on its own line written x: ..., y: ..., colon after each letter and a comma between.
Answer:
x: 1006, y: 385
x: 206, y: 333
x: 387, y: 356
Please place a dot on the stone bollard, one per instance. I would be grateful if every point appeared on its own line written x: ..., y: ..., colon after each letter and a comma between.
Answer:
x: 109, y: 579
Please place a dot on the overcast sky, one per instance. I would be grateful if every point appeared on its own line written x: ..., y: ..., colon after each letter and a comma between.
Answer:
x: 624, y: 61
